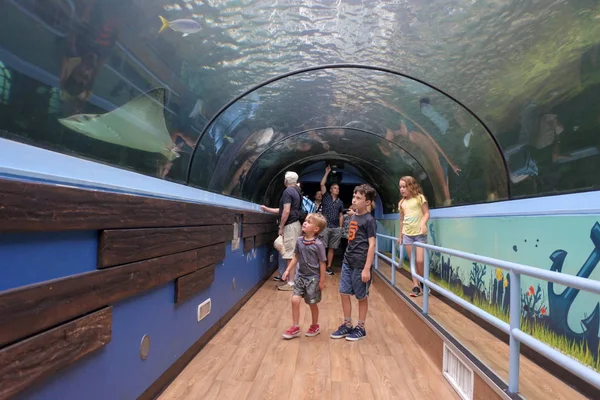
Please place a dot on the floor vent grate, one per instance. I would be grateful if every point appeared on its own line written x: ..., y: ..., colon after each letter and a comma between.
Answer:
x: 458, y: 374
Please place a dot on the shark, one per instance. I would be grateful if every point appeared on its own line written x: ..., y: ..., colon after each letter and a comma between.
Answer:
x: 139, y: 124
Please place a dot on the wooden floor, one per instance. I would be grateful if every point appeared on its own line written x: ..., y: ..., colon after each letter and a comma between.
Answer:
x: 248, y: 359
x: 535, y: 382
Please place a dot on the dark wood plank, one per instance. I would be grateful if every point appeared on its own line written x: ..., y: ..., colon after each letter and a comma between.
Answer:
x: 267, y: 238
x: 248, y: 244
x: 249, y: 230
x: 251, y: 217
x: 27, y: 362
x: 188, y: 285
x: 26, y: 206
x: 31, y: 309
x: 175, y: 369
x: 123, y: 246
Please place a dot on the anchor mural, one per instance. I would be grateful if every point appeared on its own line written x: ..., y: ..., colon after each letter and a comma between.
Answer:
x: 560, y: 304
x: 544, y: 313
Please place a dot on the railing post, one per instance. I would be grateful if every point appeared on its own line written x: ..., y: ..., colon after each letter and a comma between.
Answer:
x: 376, y: 252
x: 515, y: 323
x: 426, y: 278
x: 393, y: 263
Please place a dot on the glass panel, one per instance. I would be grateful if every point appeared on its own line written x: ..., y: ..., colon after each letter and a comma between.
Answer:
x: 76, y: 77
x: 529, y: 69
x: 300, y: 151
x: 374, y: 114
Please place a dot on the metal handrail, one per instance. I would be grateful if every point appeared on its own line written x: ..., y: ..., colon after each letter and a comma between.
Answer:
x: 517, y: 336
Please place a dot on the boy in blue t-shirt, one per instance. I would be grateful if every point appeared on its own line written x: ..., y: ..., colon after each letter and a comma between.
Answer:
x: 310, y: 277
x: 356, y: 267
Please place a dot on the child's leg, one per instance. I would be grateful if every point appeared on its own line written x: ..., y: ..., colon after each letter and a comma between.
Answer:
x: 420, y: 263
x: 314, y: 312
x: 347, y: 309
x: 363, y: 307
x: 294, y: 330
x: 345, y: 292
x: 312, y: 298
x: 296, y: 310
x: 362, y: 294
x: 408, y: 248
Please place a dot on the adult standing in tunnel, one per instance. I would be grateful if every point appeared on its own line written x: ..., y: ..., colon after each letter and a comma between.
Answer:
x: 290, y: 228
x: 333, y: 210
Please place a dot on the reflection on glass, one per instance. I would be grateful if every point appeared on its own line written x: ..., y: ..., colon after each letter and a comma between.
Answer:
x: 530, y: 70
x: 357, y: 148
x: 438, y: 136
x: 75, y: 78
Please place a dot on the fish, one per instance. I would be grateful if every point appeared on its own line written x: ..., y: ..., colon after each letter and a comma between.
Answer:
x: 138, y: 124
x: 185, y: 26
x: 198, y: 109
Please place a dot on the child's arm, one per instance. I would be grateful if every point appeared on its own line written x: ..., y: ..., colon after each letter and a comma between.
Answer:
x: 323, y: 266
x: 366, y: 274
x: 425, y: 219
x: 289, y: 268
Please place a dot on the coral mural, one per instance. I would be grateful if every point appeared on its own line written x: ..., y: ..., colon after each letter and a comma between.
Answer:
x: 565, y: 318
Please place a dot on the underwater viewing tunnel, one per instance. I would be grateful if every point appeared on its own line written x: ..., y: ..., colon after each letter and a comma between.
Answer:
x: 140, y: 142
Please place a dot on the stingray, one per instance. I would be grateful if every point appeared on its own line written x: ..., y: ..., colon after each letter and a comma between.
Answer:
x: 139, y: 124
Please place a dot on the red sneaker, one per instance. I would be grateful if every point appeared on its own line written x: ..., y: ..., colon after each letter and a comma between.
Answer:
x: 314, y: 330
x: 292, y: 332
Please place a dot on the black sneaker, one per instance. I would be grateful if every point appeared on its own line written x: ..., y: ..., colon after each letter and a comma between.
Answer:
x: 277, y: 278
x: 416, y: 292
x: 329, y: 271
x: 357, y: 333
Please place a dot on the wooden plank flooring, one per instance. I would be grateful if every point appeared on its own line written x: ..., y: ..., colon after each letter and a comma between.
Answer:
x: 248, y: 358
x: 535, y: 382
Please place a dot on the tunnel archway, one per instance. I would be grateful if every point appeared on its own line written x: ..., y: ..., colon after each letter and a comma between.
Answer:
x: 457, y: 152
x: 298, y: 159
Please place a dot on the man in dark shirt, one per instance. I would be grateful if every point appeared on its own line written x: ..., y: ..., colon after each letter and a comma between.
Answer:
x: 332, y: 209
x: 289, y: 221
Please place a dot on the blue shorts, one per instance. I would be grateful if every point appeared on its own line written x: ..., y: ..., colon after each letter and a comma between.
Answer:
x: 412, y: 239
x: 351, y: 282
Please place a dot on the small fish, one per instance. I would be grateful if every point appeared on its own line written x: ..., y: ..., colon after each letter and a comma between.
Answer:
x: 185, y: 26
x: 198, y: 108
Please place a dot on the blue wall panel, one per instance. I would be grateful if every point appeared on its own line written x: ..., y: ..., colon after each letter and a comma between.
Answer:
x: 117, y: 371
x: 27, y: 258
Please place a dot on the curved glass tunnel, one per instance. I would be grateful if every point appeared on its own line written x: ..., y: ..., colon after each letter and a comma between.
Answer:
x: 342, y: 113
x: 101, y: 80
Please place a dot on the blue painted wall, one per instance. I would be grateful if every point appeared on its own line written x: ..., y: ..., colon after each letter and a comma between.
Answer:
x: 116, y: 371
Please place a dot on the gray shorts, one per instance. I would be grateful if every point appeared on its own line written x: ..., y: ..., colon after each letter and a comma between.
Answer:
x: 308, y: 288
x: 412, y: 239
x: 331, y: 237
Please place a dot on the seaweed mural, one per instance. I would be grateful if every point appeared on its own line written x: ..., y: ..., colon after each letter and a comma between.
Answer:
x: 544, y: 313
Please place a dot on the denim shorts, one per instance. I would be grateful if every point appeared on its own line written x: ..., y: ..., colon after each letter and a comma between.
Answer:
x: 351, y: 282
x: 412, y: 239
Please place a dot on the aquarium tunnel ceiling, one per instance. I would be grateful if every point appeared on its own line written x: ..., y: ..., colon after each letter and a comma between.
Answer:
x: 468, y: 96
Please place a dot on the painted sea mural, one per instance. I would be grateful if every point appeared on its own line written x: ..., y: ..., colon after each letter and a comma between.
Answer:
x: 567, y: 319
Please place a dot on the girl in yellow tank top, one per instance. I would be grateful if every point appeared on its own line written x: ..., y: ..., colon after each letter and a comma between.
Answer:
x: 414, y: 215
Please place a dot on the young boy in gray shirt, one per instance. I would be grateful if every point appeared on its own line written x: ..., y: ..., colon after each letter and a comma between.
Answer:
x: 310, y: 278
